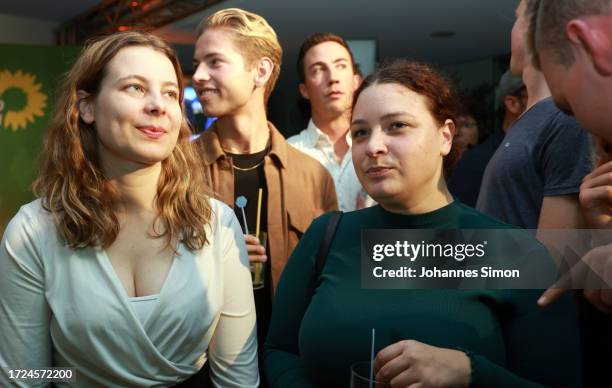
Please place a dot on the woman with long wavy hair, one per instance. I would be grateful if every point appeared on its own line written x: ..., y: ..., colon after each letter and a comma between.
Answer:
x: 124, y: 268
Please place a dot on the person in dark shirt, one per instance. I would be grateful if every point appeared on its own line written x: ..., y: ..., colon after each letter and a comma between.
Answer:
x: 531, y: 181
x: 464, y: 182
x: 402, y: 129
x: 571, y: 43
x: 237, y: 61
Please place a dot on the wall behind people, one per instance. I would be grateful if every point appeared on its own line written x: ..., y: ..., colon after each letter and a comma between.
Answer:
x: 15, y: 29
x: 28, y: 75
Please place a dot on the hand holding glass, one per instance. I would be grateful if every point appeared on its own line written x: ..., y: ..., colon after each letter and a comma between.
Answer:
x: 258, y: 273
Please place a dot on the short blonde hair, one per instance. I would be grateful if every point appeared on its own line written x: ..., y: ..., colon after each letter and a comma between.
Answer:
x: 254, y: 37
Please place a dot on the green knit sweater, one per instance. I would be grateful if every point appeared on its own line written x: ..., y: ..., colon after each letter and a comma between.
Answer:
x: 314, y: 337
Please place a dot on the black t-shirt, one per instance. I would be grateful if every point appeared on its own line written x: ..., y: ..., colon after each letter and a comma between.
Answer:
x: 545, y: 153
x: 249, y: 177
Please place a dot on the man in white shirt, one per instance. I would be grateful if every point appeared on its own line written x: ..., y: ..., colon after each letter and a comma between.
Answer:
x: 328, y: 78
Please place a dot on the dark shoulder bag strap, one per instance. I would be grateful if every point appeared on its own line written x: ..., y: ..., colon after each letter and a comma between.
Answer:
x: 328, y: 238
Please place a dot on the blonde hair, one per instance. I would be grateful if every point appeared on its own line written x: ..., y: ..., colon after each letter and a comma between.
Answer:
x: 253, y: 36
x: 71, y: 183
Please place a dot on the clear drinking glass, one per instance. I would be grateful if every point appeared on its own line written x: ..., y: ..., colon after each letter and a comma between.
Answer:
x: 360, y: 376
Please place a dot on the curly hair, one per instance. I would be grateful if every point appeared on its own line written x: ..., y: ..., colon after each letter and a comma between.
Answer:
x: 71, y: 183
x: 424, y: 80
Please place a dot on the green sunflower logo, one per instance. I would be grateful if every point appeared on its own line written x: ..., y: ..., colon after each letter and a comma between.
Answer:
x: 21, y: 99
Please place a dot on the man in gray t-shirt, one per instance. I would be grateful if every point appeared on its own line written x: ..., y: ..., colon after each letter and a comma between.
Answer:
x: 544, y: 154
x: 534, y: 177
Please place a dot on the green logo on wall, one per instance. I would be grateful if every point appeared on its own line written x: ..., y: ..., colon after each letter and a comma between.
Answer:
x: 21, y: 99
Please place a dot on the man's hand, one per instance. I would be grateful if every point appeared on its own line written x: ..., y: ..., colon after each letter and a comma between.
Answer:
x: 596, y: 197
x: 257, y: 253
x: 596, y: 265
x: 407, y: 363
x: 593, y: 273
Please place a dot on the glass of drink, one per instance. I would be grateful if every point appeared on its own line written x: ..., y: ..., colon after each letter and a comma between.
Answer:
x: 360, y: 376
x: 258, y: 270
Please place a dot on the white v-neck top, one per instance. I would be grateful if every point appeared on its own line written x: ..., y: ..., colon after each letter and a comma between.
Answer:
x: 65, y: 307
x: 143, y: 306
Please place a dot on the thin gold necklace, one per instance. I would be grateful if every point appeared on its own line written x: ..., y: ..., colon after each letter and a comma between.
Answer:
x: 267, y: 149
x: 248, y: 168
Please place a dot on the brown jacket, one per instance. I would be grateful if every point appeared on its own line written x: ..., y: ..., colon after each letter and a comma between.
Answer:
x: 299, y: 190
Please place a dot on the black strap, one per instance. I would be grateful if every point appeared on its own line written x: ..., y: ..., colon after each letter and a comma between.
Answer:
x: 328, y: 238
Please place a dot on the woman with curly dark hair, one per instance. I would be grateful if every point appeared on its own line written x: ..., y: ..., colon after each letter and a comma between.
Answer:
x: 402, y: 126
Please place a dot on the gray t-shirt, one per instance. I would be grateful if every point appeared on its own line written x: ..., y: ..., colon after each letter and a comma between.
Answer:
x: 545, y: 153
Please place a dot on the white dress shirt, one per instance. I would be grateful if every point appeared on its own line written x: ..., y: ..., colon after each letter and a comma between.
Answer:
x: 315, y: 143
x: 67, y: 308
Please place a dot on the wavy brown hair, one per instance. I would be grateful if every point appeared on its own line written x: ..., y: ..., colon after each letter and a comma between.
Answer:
x: 71, y: 183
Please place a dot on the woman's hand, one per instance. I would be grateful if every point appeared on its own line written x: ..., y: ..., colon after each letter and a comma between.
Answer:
x: 415, y: 364
x: 257, y: 252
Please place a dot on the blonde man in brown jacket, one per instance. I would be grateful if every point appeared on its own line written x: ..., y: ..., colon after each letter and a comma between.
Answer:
x: 237, y: 62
